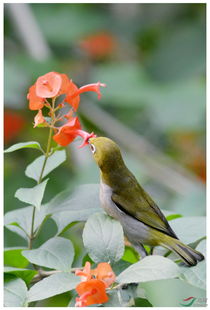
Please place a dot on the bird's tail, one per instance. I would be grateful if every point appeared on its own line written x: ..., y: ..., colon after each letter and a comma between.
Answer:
x: 187, y: 254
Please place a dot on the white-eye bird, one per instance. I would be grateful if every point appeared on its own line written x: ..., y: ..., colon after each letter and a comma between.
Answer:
x: 124, y: 199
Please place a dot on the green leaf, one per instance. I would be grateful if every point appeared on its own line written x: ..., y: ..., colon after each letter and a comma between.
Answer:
x: 119, y: 298
x: 142, y: 302
x: 25, y: 274
x: 15, y: 293
x: 192, y: 203
x: 119, y: 266
x: 32, y: 195
x: 72, y: 301
x: 53, y: 285
x: 130, y: 255
x: 173, y: 217
x: 172, y: 292
x: 23, y: 218
x: 56, y: 253
x: 103, y: 238
x: 150, y: 268
x: 113, y: 299
x: 34, y: 169
x: 68, y: 207
x: 23, y: 145
x: 122, y: 297
x: 170, y: 215
x: 202, y: 247
x: 196, y: 275
x: 189, y: 229
x: 14, y: 258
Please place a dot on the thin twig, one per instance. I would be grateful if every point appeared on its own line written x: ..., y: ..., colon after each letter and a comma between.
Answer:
x: 43, y: 273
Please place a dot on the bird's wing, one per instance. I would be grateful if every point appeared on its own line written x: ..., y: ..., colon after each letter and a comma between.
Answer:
x: 143, y: 208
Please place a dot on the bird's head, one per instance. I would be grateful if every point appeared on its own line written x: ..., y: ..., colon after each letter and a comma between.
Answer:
x: 106, y: 153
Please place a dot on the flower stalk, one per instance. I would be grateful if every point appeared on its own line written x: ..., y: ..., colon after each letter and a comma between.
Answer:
x: 31, y: 237
x: 52, y: 85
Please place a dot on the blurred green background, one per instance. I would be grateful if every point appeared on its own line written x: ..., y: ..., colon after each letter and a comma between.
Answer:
x: 152, y: 58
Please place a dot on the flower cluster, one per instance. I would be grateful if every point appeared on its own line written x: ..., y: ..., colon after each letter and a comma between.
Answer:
x: 92, y: 288
x: 51, y: 86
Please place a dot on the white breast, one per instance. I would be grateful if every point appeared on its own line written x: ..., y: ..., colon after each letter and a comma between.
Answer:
x: 134, y: 229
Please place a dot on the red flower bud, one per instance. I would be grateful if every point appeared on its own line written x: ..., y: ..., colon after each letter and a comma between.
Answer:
x: 39, y: 119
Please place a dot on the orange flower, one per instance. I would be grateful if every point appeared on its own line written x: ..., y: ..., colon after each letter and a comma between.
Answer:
x: 91, y: 292
x: 35, y: 102
x: 39, y: 119
x: 85, y: 274
x: 104, y: 273
x: 92, y: 289
x: 73, y: 95
x: 55, y: 84
x: 48, y: 85
x: 69, y: 131
x: 99, y: 45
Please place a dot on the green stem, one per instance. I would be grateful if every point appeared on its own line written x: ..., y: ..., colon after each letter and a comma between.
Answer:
x: 46, y: 155
x: 32, y: 229
x: 42, y: 171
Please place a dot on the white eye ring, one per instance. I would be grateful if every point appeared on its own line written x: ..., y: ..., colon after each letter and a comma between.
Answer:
x: 93, y: 148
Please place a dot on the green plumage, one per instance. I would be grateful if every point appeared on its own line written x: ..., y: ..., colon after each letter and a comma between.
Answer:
x: 123, y: 198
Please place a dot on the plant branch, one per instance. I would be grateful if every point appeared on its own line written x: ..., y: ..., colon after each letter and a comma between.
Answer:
x: 32, y: 236
x: 43, y: 273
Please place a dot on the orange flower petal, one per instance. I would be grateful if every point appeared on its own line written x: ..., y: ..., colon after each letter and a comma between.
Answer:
x: 35, y: 102
x: 86, y: 136
x: 39, y: 119
x: 65, y: 85
x: 68, y: 132
x: 91, y: 292
x: 48, y: 85
x: 104, y: 273
x: 85, y: 274
x: 72, y: 99
x: 95, y: 87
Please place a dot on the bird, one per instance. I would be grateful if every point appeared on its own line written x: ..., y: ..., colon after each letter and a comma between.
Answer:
x: 123, y: 198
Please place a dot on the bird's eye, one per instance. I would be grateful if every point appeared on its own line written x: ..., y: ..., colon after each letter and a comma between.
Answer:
x: 93, y: 148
